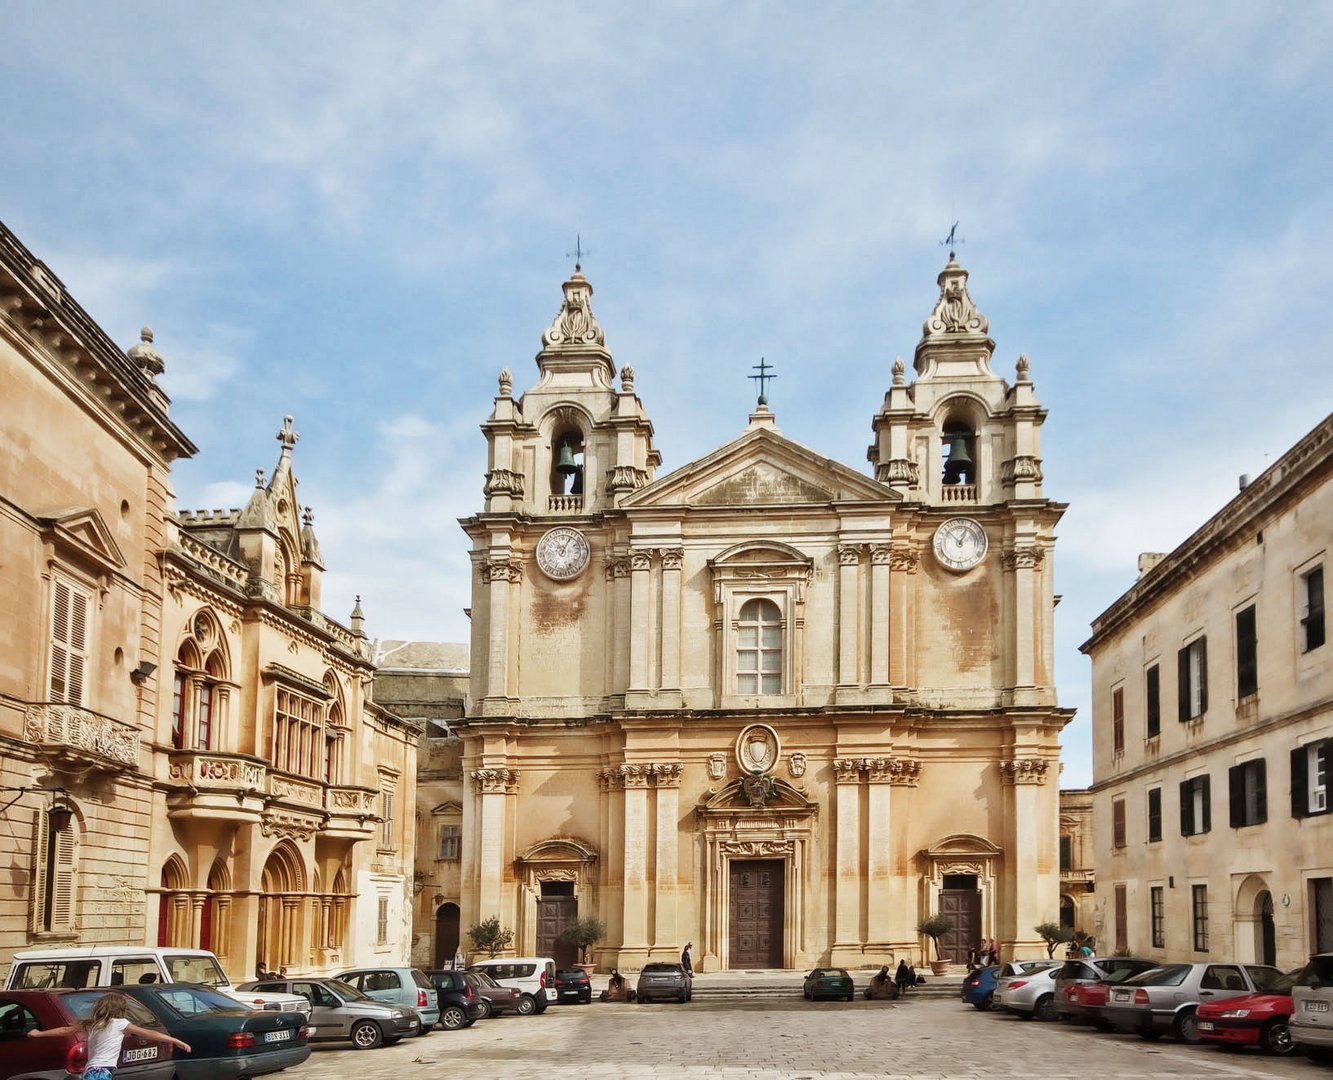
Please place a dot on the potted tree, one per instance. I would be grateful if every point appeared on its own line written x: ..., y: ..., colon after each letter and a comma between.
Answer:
x: 935, y: 927
x: 584, y: 933
x: 490, y: 937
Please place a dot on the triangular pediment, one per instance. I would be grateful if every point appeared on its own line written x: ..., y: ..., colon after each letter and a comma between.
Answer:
x: 82, y: 533
x: 446, y: 808
x: 761, y: 468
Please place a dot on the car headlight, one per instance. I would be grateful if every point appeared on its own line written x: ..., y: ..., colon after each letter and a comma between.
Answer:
x: 1236, y: 1012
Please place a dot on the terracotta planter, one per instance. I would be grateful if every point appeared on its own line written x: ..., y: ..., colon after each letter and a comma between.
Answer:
x: 939, y: 967
x: 587, y: 969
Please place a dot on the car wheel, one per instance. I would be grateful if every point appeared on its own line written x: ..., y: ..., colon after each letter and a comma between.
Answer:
x: 1045, y: 1008
x: 1275, y: 1038
x: 527, y: 1005
x: 487, y: 1010
x: 366, y: 1035
x: 452, y: 1018
x: 986, y: 1003
x: 1186, y: 1028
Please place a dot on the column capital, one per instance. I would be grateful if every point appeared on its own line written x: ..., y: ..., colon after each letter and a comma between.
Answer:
x: 492, y: 781
x: 667, y: 775
x: 1024, y: 771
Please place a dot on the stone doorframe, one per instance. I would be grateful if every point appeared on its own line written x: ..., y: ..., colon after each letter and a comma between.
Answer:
x: 961, y: 853
x: 561, y: 859
x: 732, y: 829
x: 1247, y: 916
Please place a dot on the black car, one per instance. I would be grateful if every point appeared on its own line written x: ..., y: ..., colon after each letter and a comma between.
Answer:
x: 227, y: 1040
x: 460, y: 1004
x: 573, y: 985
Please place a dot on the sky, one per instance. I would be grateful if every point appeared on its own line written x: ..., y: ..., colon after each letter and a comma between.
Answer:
x: 360, y: 217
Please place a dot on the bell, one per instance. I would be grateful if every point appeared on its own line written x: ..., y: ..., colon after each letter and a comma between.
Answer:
x: 959, y: 460
x: 565, y: 464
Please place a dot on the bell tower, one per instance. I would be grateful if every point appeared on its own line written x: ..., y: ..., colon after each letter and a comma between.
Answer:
x: 572, y: 445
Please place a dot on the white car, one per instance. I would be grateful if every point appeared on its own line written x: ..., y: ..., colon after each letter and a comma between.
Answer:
x: 532, y: 976
x: 1029, y: 994
x: 118, y: 965
x: 1311, y: 1023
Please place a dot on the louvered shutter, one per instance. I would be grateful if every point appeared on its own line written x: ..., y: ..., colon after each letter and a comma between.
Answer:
x: 69, y: 643
x: 1300, y: 783
x: 1186, y: 809
x: 1183, y: 683
x: 62, y: 896
x: 1207, y: 804
x: 1261, y: 791
x: 38, y: 906
x: 1236, y: 783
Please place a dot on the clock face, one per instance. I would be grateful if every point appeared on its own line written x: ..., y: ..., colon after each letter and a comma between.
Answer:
x: 960, y: 543
x: 563, y: 553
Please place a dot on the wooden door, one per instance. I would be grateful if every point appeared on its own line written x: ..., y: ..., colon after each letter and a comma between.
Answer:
x: 554, y: 913
x: 963, y: 908
x: 756, y: 913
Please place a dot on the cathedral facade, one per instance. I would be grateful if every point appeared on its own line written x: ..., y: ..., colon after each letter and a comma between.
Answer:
x: 765, y: 703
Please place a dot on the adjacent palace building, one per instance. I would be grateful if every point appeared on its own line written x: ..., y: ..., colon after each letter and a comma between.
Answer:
x: 764, y: 703
x: 1213, y: 731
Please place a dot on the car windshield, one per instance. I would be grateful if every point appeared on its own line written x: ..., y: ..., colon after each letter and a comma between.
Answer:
x: 421, y: 980
x: 1076, y: 969
x: 1317, y: 973
x: 347, y: 990
x: 1167, y: 975
x: 195, y: 969
x: 1134, y: 967
x: 1120, y: 975
x: 81, y: 1005
x: 484, y: 979
x: 661, y: 969
x: 193, y: 1000
x: 1263, y: 976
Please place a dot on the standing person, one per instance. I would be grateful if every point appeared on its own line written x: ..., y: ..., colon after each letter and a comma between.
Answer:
x: 903, y: 977
x: 687, y: 958
x: 105, y: 1028
x: 992, y: 954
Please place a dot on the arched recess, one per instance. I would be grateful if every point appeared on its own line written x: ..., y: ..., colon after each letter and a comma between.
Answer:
x: 959, y: 879
x: 336, y: 737
x: 557, y: 876
x: 201, y: 687
x: 173, y: 912
x: 447, y: 927
x: 1253, y: 930
x: 215, y: 925
x: 963, y: 453
x: 564, y: 455
x: 280, y: 907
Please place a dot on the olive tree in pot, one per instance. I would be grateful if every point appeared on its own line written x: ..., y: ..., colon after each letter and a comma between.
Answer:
x: 490, y: 937
x: 935, y: 927
x: 585, y: 933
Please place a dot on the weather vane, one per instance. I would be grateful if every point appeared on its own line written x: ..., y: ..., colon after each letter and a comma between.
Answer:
x: 762, y: 378
x: 952, y: 240
x: 578, y: 252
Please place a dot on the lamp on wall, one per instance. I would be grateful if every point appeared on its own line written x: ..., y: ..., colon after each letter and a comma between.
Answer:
x: 141, y: 673
x: 58, y: 817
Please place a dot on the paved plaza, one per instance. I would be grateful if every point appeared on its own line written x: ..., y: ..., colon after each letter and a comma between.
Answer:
x: 785, y: 1039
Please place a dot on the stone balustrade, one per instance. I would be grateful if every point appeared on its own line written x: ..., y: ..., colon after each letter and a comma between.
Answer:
x: 214, y: 770
x: 82, y: 737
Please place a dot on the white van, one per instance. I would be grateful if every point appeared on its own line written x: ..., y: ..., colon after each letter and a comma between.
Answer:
x: 532, y: 976
x: 116, y: 965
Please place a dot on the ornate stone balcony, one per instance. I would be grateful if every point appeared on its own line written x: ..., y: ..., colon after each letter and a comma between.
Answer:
x: 80, y: 738
x: 351, y: 812
x: 204, y: 769
x: 292, y: 789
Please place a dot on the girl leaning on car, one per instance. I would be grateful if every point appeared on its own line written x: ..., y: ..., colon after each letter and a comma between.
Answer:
x: 104, y: 1029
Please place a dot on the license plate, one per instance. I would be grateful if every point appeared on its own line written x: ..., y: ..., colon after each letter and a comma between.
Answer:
x: 277, y: 1036
x: 1206, y: 1025
x: 1121, y: 995
x: 145, y: 1053
x: 1316, y: 1006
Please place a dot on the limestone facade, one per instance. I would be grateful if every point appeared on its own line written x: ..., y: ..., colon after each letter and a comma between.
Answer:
x: 1078, y: 875
x: 86, y: 447
x: 1212, y: 726
x: 764, y: 703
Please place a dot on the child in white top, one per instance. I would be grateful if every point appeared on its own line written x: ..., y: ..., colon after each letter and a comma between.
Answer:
x: 104, y: 1030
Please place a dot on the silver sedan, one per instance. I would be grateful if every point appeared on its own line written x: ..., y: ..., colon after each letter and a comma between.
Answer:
x: 1028, y: 994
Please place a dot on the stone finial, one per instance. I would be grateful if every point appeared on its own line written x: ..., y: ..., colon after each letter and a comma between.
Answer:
x: 574, y: 323
x: 898, y: 369
x: 954, y: 313
x: 308, y: 517
x: 506, y: 382
x: 287, y: 436
x: 358, y: 619
x: 1024, y: 369
x: 627, y: 379
x: 259, y: 477
x: 145, y: 356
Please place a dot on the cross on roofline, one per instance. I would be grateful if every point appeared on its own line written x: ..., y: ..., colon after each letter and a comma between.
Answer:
x: 762, y: 379
x: 952, y: 240
x: 578, y: 252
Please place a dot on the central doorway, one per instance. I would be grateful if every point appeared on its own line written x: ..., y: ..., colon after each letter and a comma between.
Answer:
x: 960, y: 902
x: 557, y: 909
x: 756, y: 913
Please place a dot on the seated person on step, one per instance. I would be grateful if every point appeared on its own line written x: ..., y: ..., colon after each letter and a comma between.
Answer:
x: 617, y: 989
x: 882, y: 986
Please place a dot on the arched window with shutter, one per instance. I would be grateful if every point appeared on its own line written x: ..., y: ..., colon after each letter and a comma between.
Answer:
x: 55, y: 883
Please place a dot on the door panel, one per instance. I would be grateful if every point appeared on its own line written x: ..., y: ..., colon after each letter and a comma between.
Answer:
x: 963, y: 908
x: 554, y: 913
x: 756, y: 913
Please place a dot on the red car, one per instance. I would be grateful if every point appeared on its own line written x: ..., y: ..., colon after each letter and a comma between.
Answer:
x: 1258, y: 1019
x: 56, y: 1057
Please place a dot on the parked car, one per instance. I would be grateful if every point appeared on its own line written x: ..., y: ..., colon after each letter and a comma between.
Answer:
x: 1166, y: 998
x: 1258, y: 1019
x: 1028, y: 994
x: 122, y: 965
x: 227, y: 1040
x: 341, y: 1011
x: 573, y: 985
x: 664, y: 982
x: 1078, y: 996
x: 825, y: 983
x: 979, y: 984
x: 532, y: 976
x: 495, y: 999
x: 460, y: 1004
x: 1311, y: 1023
x: 52, y: 1058
x: 398, y: 986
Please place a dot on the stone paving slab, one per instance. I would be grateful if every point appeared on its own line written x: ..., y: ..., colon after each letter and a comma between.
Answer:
x: 926, y: 1039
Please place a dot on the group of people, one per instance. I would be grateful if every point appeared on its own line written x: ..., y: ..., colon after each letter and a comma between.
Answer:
x: 984, y: 955
x: 891, y: 987
x: 262, y: 972
x: 1075, y: 949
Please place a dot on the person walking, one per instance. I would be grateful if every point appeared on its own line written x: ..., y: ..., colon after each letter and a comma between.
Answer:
x: 687, y: 958
x: 103, y: 1031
